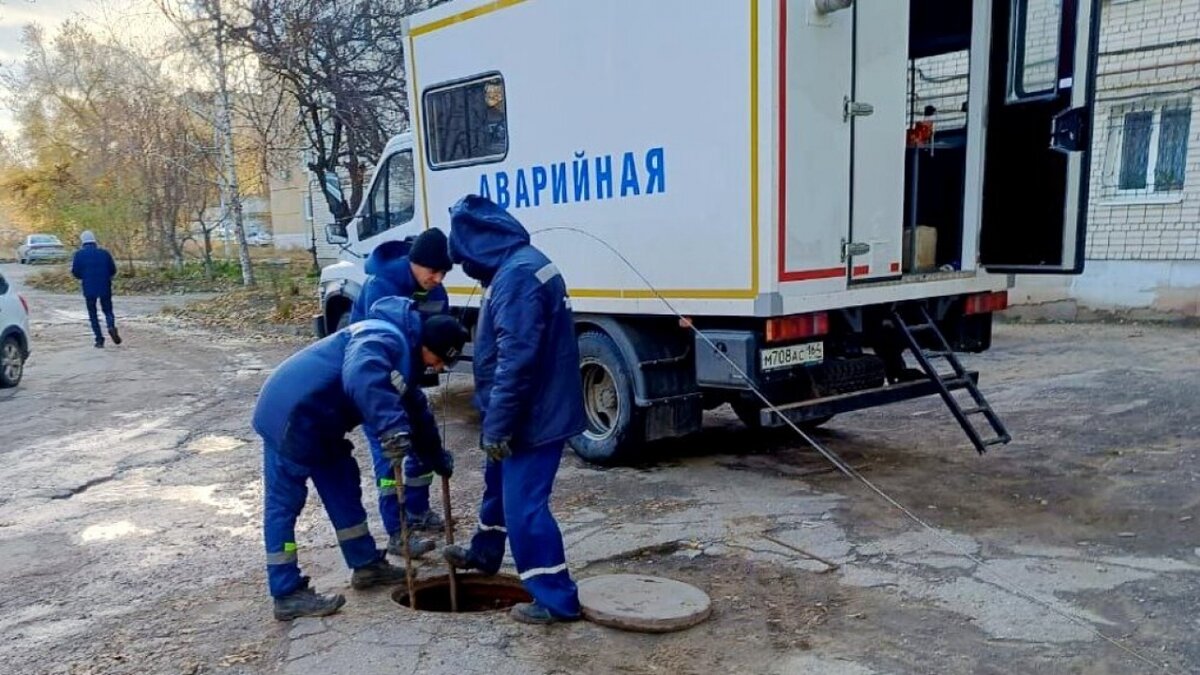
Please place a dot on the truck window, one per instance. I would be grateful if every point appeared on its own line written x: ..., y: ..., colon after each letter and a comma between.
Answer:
x: 392, y: 198
x: 1035, y: 46
x: 466, y: 122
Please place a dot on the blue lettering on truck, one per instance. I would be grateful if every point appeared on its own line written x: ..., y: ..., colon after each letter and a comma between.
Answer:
x: 586, y: 179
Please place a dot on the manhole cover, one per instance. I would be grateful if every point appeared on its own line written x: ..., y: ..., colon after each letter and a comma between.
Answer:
x: 476, y: 593
x: 643, y: 604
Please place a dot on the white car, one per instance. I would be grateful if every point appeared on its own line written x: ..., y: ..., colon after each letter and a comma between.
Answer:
x: 40, y: 247
x: 14, y: 335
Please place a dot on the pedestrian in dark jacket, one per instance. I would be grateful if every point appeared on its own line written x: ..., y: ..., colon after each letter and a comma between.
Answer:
x: 416, y: 272
x: 528, y: 389
x: 94, y: 268
x: 363, y: 373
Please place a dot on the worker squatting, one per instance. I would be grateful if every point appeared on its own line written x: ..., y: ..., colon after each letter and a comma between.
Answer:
x: 527, y: 389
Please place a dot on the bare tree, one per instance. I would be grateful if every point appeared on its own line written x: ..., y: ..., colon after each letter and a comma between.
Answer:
x: 343, y: 65
x: 206, y: 25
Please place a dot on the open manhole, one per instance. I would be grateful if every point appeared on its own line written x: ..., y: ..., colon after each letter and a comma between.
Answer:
x: 476, y: 593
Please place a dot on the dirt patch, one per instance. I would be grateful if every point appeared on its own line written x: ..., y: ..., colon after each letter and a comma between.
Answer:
x: 749, y: 613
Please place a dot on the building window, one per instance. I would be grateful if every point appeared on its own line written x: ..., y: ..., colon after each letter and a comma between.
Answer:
x: 393, y: 197
x: 466, y: 122
x: 1147, y: 149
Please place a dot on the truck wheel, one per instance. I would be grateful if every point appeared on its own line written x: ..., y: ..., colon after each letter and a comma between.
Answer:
x: 749, y: 413
x: 12, y: 362
x: 614, y: 424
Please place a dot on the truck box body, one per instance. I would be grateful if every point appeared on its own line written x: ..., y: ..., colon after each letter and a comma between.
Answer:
x: 707, y: 142
x: 750, y: 162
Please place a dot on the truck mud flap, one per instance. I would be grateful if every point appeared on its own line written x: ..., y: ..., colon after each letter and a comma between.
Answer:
x: 818, y: 408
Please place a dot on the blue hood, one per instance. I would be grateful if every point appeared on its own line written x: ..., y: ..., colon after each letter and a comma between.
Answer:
x: 482, y: 236
x: 389, y: 260
x: 400, y: 312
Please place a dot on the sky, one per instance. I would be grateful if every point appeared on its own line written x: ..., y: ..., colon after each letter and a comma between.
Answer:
x: 16, y: 14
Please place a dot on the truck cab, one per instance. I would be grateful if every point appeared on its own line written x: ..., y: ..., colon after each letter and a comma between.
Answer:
x: 843, y: 193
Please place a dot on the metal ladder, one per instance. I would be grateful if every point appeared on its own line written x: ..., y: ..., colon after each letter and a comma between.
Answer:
x: 948, y: 383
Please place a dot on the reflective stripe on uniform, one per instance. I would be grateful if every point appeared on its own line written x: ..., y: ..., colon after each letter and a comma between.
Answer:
x: 398, y: 382
x: 288, y: 555
x: 548, y: 272
x: 491, y: 528
x: 281, y: 558
x: 348, y: 533
x: 387, y: 486
x: 419, y: 481
x: 539, y: 571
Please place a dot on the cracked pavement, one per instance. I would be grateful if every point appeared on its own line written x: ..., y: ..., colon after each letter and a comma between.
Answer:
x: 131, y: 504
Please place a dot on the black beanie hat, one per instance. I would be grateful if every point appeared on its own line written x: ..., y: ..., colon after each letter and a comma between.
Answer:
x: 431, y: 250
x: 444, y: 336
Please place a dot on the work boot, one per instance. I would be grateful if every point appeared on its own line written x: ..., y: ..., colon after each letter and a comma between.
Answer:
x: 304, y: 601
x: 116, y: 337
x: 378, y: 573
x: 99, y: 344
x: 463, y: 558
x: 534, y: 613
x: 417, y: 546
x: 425, y: 522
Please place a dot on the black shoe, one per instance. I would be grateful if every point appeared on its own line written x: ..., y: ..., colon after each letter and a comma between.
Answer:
x: 116, y: 337
x: 99, y: 344
x: 304, y: 601
x: 425, y: 522
x: 532, y: 612
x: 417, y: 546
x: 379, y: 573
x: 463, y: 558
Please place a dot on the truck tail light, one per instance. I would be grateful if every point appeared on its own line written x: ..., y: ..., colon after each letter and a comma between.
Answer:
x: 797, y: 327
x: 986, y: 303
x: 24, y: 303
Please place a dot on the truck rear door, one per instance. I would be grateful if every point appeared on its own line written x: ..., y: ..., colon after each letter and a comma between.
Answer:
x: 876, y: 111
x: 1041, y: 87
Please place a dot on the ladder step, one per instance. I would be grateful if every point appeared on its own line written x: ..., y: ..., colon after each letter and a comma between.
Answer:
x: 974, y: 411
x: 937, y: 354
x: 920, y: 326
x: 1001, y: 440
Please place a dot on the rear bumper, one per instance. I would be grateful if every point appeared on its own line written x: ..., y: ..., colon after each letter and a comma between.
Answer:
x: 819, y: 408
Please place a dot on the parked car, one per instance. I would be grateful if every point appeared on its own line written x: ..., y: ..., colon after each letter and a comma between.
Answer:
x: 259, y: 239
x: 41, y: 247
x: 14, y: 335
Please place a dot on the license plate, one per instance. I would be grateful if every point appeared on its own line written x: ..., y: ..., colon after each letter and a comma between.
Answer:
x: 793, y: 355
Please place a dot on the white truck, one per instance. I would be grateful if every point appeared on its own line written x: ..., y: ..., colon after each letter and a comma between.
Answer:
x: 824, y: 188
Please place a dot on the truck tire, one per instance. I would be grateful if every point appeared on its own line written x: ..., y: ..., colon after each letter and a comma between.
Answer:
x: 749, y: 413
x: 614, y: 424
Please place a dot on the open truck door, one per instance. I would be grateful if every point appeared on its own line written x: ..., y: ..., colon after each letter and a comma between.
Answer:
x: 1041, y: 89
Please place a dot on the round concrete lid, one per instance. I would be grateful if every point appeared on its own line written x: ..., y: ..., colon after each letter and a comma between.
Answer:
x: 643, y: 604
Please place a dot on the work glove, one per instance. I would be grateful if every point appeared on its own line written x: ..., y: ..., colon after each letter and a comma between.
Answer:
x: 496, y: 450
x: 443, y: 463
x: 395, y: 447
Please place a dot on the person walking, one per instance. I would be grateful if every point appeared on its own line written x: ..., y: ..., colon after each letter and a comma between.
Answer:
x: 94, y: 268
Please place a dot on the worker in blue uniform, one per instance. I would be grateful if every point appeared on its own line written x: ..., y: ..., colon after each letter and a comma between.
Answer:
x: 528, y: 389
x: 409, y: 270
x: 308, y: 405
